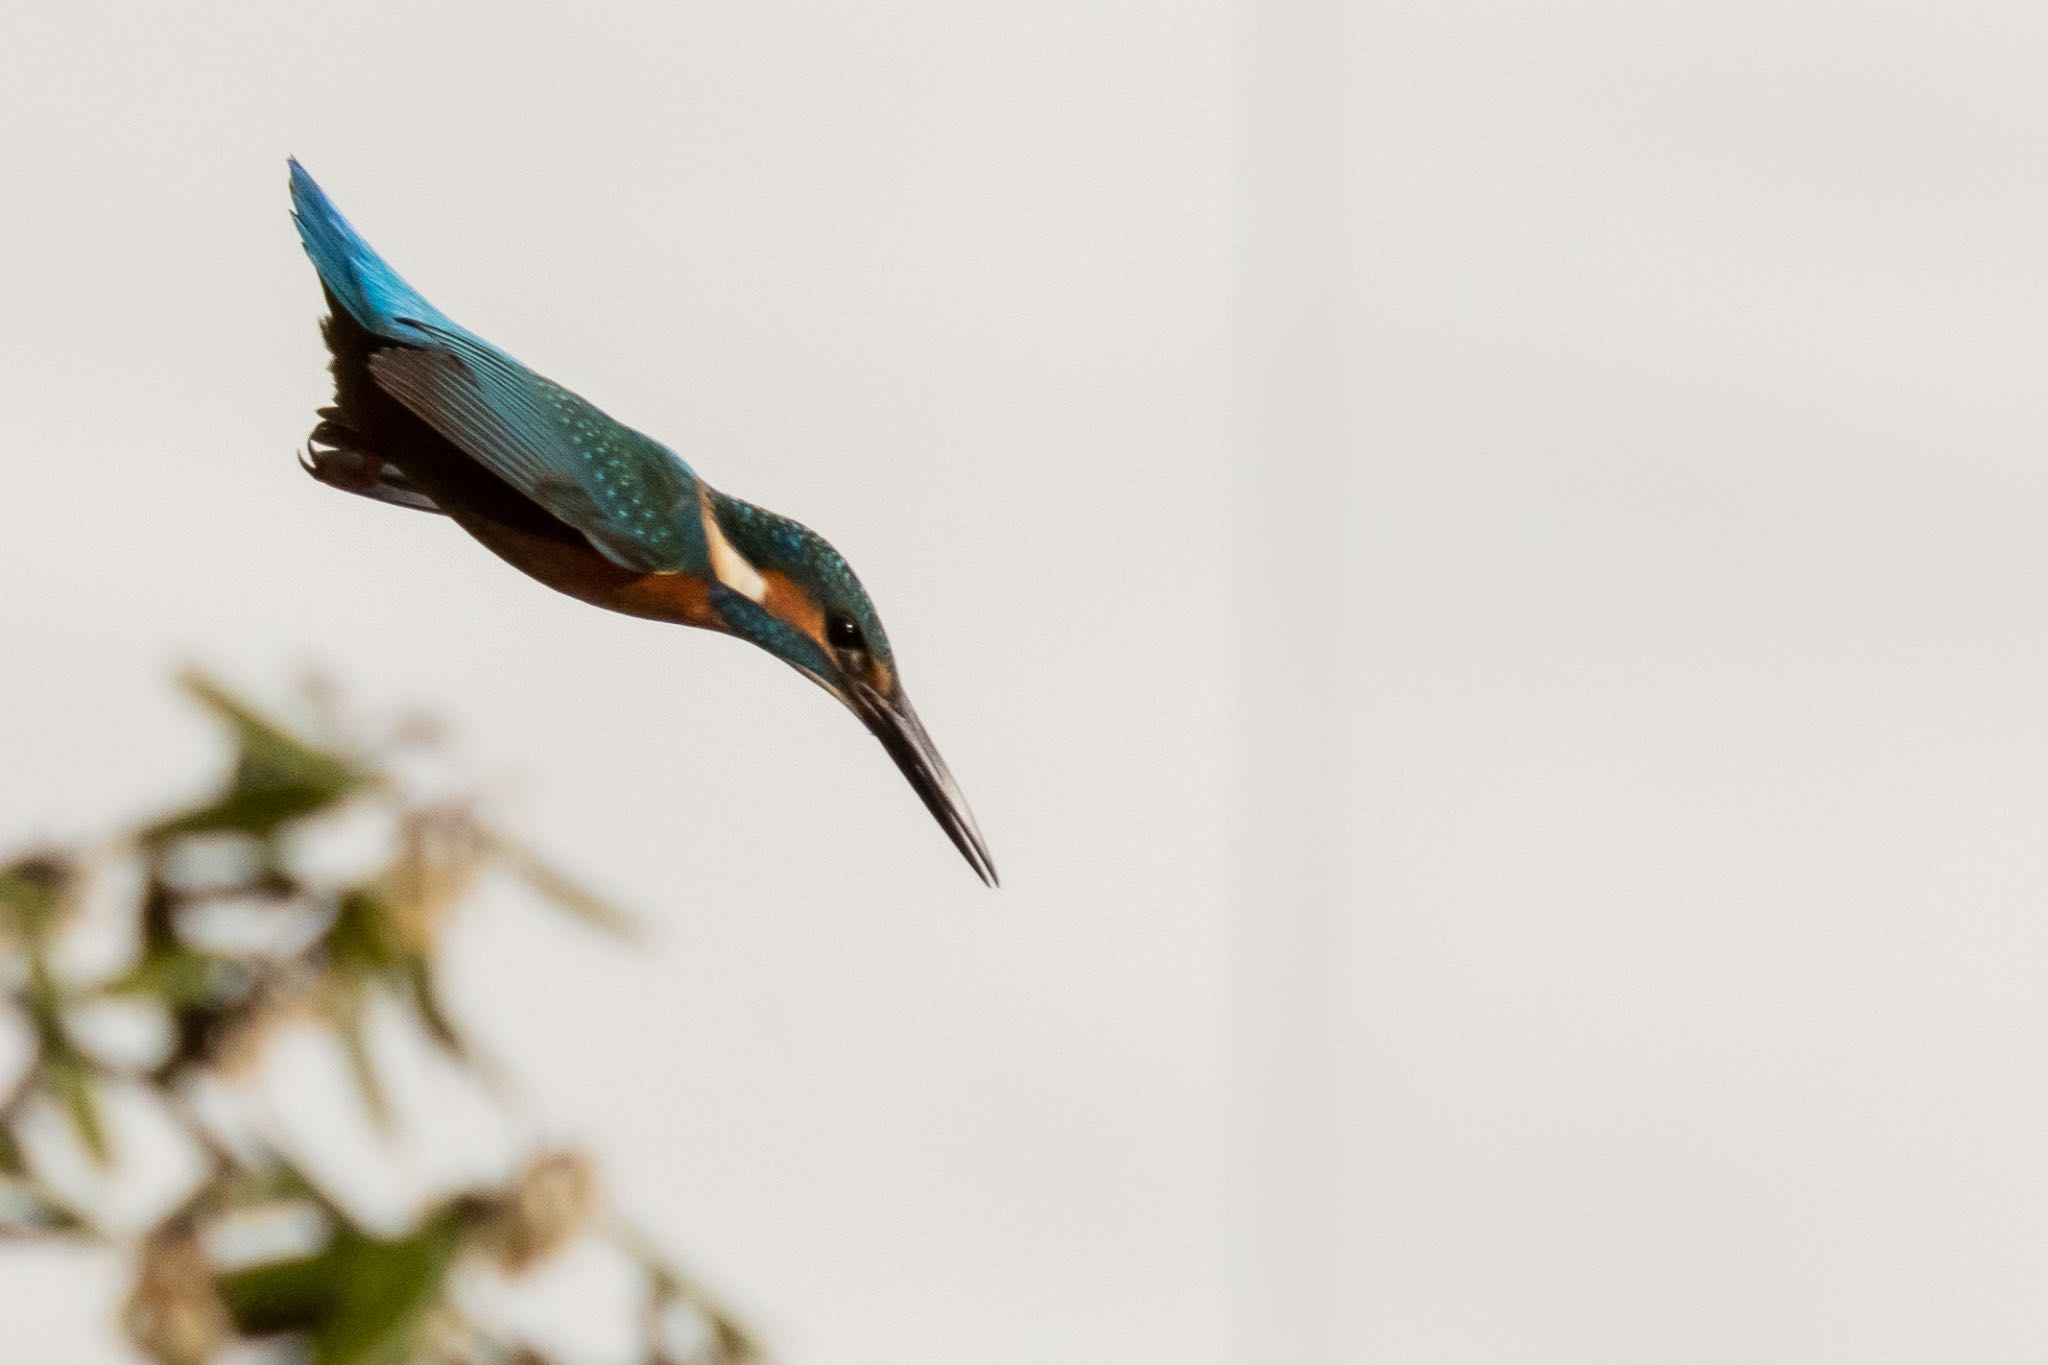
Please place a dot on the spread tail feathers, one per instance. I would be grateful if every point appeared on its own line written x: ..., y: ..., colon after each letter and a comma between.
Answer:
x: 374, y: 295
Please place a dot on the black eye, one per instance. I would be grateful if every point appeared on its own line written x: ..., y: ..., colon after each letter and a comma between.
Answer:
x: 843, y: 632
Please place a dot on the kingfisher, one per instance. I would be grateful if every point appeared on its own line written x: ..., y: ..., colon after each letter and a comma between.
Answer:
x: 427, y: 415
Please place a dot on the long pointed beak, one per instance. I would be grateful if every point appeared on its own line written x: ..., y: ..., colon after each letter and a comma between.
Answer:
x: 903, y: 735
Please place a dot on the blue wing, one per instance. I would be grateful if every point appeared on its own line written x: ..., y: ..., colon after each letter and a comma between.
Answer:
x: 632, y: 497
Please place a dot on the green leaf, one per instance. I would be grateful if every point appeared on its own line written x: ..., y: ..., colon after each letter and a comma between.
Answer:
x: 670, y: 1289
x: 42, y: 999
x: 360, y: 1299
x: 386, y: 1289
x: 278, y: 777
x: 352, y: 1029
x: 734, y: 1343
x: 27, y: 1209
x: 358, y: 940
x: 182, y: 976
x: 270, y: 1180
x: 72, y: 1083
x: 434, y: 1018
x: 282, y: 1296
x: 560, y: 890
x: 157, y: 916
x: 34, y: 891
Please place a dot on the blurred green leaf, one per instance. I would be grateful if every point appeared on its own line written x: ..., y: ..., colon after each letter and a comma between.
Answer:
x: 387, y: 1290
x: 42, y: 999
x: 559, y: 889
x: 270, y: 1181
x: 734, y: 1344
x: 360, y: 940
x: 281, y: 1296
x: 277, y: 777
x: 425, y: 996
x: 670, y: 1290
x: 156, y: 916
x: 33, y: 893
x: 684, y: 1330
x: 362, y: 1300
x: 28, y: 1209
x: 206, y: 995
x: 183, y: 976
x: 352, y: 1031
x: 65, y: 1075
x: 71, y: 1082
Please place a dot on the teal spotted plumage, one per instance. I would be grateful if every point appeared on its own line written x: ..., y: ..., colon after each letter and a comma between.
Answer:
x: 430, y: 416
x: 632, y: 497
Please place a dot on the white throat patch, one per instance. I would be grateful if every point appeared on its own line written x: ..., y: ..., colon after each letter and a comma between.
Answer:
x: 731, y: 567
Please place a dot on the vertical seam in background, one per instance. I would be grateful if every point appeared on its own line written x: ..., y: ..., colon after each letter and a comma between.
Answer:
x: 1286, y: 531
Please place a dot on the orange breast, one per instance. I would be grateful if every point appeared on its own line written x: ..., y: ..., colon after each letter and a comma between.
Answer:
x: 583, y: 573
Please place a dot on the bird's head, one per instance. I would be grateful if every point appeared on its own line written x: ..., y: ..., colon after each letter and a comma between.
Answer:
x: 782, y: 586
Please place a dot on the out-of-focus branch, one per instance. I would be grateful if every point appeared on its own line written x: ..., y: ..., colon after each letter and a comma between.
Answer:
x: 330, y: 950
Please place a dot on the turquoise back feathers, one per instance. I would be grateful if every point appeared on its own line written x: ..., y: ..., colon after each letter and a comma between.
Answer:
x: 632, y: 497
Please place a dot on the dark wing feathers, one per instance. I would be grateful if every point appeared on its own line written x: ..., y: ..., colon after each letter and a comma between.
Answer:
x: 441, y: 390
x: 630, y: 497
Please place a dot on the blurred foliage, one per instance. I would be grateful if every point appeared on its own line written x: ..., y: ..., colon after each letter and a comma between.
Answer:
x: 332, y: 948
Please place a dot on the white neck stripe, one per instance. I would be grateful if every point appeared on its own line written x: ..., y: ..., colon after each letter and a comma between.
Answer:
x: 731, y: 567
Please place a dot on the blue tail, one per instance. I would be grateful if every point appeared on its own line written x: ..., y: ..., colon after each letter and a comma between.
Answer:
x: 374, y: 294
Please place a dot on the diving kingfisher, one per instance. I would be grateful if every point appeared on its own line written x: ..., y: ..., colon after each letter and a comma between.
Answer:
x: 430, y: 416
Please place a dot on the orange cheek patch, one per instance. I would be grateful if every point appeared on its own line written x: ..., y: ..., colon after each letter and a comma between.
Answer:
x: 784, y: 599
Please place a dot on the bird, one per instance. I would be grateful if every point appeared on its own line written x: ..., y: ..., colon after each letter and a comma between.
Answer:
x: 429, y: 416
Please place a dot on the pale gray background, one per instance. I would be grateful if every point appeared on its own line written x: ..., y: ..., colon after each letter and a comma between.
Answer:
x: 1536, y: 504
